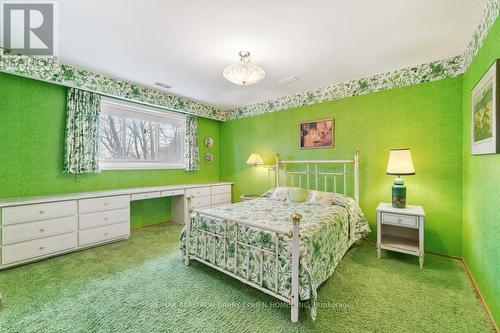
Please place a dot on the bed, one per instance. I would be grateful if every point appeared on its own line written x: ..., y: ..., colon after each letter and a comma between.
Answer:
x: 280, y: 244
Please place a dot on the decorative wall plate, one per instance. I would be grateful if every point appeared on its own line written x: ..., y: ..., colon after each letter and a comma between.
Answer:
x: 209, y: 142
x: 209, y: 157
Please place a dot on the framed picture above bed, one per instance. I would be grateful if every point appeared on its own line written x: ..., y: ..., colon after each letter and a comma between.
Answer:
x: 317, y: 134
x: 485, y: 117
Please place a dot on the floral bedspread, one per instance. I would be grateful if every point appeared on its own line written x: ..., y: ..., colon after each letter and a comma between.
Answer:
x: 326, y: 233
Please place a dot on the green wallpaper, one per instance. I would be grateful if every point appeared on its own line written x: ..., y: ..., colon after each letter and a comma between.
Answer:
x: 32, y: 118
x: 426, y: 118
x: 481, y: 226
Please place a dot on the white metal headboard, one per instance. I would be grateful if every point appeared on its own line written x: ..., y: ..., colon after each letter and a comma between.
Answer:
x: 312, y: 168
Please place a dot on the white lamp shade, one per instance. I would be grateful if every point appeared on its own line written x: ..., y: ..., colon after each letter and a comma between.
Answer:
x: 400, y: 162
x: 255, y: 159
x: 243, y: 74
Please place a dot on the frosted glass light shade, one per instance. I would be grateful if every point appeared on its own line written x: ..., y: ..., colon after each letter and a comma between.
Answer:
x: 243, y: 73
x: 255, y: 159
x: 400, y: 162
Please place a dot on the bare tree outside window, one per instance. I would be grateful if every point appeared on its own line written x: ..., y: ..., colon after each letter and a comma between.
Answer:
x: 146, y: 139
x: 111, y: 136
x: 140, y: 139
x: 170, y: 146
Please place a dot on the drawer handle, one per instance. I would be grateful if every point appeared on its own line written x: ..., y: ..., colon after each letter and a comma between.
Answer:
x: 41, y: 212
x: 105, y: 204
x: 400, y: 220
x: 105, y: 234
x: 105, y: 219
x: 42, y: 248
x: 42, y: 230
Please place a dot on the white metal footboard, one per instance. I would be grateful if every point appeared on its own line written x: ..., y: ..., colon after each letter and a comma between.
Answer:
x: 293, y: 233
x: 314, y: 179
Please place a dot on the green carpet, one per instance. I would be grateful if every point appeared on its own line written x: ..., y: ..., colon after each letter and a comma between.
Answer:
x: 141, y: 285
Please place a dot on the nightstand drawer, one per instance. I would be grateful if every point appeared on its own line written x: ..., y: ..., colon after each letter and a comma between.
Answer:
x: 403, y: 220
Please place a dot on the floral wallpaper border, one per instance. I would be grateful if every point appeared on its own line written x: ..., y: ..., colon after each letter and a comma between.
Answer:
x: 436, y: 70
x: 48, y: 69
x: 489, y: 17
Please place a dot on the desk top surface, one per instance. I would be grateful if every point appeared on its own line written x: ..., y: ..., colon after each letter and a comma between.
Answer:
x: 105, y: 193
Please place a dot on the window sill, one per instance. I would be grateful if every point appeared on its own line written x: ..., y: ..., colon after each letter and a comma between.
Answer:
x: 140, y: 166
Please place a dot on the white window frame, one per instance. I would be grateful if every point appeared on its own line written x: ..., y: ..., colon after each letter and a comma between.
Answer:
x: 130, y: 110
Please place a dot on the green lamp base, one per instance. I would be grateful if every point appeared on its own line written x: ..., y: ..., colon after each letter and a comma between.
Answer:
x: 399, y: 193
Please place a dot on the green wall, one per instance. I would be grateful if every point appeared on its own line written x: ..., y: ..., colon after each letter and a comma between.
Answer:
x: 481, y: 211
x: 32, y: 122
x: 432, y: 119
x: 426, y: 118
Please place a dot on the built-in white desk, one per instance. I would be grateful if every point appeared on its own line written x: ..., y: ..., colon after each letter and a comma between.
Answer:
x: 34, y: 228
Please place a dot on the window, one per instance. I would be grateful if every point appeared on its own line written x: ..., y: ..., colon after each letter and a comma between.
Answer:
x: 140, y: 137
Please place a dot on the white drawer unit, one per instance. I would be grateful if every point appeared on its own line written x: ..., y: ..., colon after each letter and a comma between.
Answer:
x: 220, y: 189
x: 37, y: 248
x: 103, y: 203
x: 198, y: 191
x: 26, y: 213
x: 147, y: 195
x: 200, y: 202
x: 404, y: 220
x: 401, y: 230
x: 221, y: 199
x: 102, y: 234
x: 33, y: 230
x: 172, y: 193
x: 37, y: 228
x: 99, y: 219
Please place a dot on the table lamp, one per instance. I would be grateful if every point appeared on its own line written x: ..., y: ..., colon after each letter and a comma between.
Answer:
x: 255, y: 160
x: 400, y: 164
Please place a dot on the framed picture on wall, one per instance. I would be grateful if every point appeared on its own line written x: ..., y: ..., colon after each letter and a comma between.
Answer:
x: 485, y: 118
x: 317, y: 134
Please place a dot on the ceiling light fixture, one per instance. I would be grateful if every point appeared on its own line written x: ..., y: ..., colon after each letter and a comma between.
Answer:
x: 244, y: 73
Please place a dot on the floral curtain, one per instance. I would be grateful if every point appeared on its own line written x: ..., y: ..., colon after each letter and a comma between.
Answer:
x: 81, y: 153
x: 192, y: 152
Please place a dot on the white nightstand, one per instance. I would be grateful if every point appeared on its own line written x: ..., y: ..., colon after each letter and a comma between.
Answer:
x: 401, y: 230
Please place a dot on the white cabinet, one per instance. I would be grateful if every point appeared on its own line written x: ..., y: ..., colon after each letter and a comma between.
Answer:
x: 147, y: 195
x: 198, y: 192
x: 401, y: 230
x: 221, y: 199
x: 103, y: 203
x: 201, y: 198
x: 37, y: 248
x: 25, y: 213
x: 99, y: 219
x: 32, y: 230
x: 221, y: 189
x: 35, y: 231
x: 36, y: 228
x: 102, y: 234
x: 111, y: 221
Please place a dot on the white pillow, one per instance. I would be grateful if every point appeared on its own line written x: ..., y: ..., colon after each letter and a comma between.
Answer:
x: 278, y: 193
x: 324, y: 198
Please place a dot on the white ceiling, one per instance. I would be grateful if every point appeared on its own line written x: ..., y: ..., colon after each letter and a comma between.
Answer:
x: 187, y: 43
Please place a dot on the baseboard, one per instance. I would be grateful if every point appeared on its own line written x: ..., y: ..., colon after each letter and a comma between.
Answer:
x: 476, y: 288
x: 478, y: 293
